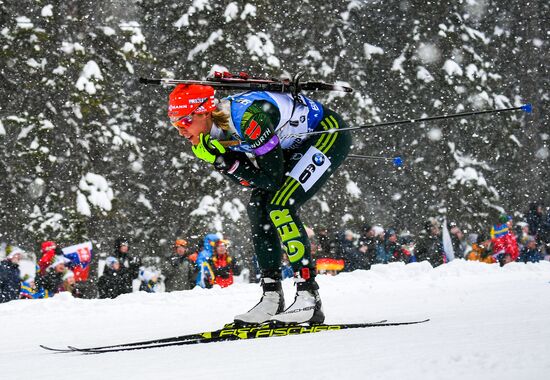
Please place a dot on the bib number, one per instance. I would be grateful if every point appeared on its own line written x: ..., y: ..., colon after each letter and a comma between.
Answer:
x: 310, y: 168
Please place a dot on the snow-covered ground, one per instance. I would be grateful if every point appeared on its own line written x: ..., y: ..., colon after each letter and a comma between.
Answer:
x: 486, y: 323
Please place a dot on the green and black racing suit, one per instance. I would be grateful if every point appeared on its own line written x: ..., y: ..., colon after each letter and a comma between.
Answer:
x: 277, y: 196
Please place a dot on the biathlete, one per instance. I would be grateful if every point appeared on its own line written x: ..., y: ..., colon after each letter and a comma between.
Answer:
x: 283, y: 171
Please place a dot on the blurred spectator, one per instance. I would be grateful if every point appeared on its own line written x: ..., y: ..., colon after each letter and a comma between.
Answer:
x: 545, y: 235
x: 393, y: 249
x: 177, y: 270
x: 481, y: 250
x: 470, y: 240
x: 367, y: 247
x: 430, y: 245
x: 149, y: 281
x: 347, y: 250
x: 535, y: 220
x: 10, y: 276
x: 69, y: 284
x: 379, y: 235
x: 327, y: 246
x: 29, y: 290
x: 48, y: 251
x: 222, y: 265
x: 522, y: 234
x: 408, y: 245
x: 504, y: 243
x: 52, y: 281
x: 530, y: 253
x: 112, y: 283
x: 458, y: 239
x: 312, y: 240
x: 314, y: 246
x: 129, y: 263
x: 205, y: 276
x: 286, y: 268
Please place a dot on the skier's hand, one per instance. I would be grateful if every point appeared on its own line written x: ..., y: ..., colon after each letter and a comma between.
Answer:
x: 208, y: 149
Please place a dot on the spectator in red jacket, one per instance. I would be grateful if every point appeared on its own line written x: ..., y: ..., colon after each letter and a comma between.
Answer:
x: 222, y: 265
x: 48, y: 253
x: 504, y: 242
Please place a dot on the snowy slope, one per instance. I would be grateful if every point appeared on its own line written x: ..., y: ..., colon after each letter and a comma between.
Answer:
x: 487, y: 323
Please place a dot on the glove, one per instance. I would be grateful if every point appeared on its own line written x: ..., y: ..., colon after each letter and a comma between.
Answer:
x: 208, y: 149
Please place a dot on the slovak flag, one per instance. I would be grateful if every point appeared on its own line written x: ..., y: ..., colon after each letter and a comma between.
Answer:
x: 81, y: 257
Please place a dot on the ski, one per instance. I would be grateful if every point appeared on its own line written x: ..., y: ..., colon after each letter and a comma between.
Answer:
x: 242, y: 81
x: 231, y: 332
x: 180, y: 338
x: 59, y: 350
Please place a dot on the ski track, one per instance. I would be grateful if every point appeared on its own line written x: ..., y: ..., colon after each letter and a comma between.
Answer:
x: 486, y: 323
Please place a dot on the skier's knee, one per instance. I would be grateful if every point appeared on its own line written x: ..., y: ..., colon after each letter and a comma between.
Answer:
x: 289, y: 231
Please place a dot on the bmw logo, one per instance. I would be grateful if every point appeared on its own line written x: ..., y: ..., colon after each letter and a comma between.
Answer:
x: 318, y: 159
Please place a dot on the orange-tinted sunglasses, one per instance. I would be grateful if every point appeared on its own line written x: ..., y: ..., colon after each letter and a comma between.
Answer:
x: 186, y: 121
x: 183, y: 122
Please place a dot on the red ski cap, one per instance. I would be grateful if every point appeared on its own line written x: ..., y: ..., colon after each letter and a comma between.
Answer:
x: 187, y: 99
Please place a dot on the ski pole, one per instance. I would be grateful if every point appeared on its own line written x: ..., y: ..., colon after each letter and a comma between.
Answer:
x: 527, y: 108
x: 396, y: 161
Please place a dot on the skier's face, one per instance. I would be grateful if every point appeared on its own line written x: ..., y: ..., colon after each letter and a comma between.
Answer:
x: 200, y: 123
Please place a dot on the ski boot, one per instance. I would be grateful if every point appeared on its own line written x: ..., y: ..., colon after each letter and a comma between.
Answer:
x: 307, y: 306
x: 271, y: 303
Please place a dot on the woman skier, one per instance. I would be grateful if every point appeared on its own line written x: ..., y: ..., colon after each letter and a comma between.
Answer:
x: 256, y: 139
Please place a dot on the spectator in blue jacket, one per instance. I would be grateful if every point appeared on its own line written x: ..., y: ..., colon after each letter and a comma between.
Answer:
x: 205, y: 277
x: 10, y: 276
x: 530, y: 253
x: 348, y: 250
x: 29, y: 290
